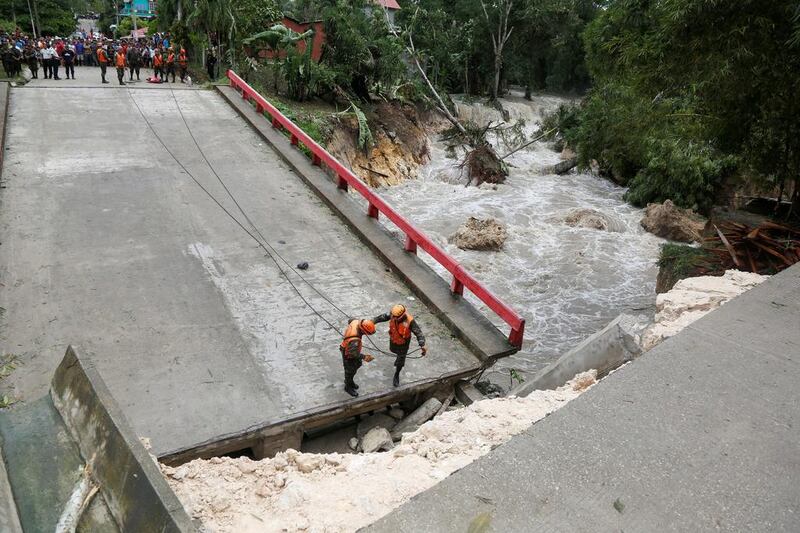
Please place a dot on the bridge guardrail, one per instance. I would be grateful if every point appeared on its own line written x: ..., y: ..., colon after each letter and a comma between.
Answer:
x: 414, y: 237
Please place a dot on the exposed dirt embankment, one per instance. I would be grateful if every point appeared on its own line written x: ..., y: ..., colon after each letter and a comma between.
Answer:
x: 400, y: 147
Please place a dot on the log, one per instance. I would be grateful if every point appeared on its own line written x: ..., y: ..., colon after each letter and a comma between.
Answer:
x: 561, y: 167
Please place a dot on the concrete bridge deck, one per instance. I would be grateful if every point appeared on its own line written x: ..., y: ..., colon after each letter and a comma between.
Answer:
x: 699, y: 434
x: 109, y: 245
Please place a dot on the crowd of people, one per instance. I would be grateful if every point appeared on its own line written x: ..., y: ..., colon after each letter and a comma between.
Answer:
x: 128, y: 56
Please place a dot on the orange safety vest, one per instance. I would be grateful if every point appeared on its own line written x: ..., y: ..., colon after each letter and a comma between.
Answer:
x: 101, y: 56
x: 120, y: 60
x: 170, y: 59
x: 158, y: 60
x: 400, y: 330
x: 353, y: 331
x: 182, y: 60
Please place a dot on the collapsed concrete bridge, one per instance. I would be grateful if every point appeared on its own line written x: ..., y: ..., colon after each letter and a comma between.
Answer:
x: 157, y: 228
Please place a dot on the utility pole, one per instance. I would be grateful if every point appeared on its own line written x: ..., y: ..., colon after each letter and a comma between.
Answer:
x: 33, y: 23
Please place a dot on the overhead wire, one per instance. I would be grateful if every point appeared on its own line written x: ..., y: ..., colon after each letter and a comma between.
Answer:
x: 270, y: 250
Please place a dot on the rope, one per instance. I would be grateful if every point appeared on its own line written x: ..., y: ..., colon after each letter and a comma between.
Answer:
x: 270, y: 251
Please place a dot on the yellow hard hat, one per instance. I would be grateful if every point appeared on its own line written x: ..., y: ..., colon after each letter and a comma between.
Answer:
x: 368, y: 327
x: 398, y: 310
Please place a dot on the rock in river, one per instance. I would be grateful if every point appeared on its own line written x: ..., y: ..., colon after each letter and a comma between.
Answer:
x: 480, y: 234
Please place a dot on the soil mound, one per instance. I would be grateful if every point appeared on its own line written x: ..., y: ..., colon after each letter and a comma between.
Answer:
x: 673, y: 223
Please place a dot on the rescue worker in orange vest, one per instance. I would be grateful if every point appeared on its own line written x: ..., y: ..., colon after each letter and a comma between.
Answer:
x: 102, y: 59
x: 158, y: 63
x: 171, y: 64
x: 183, y: 64
x: 351, y: 352
x: 401, y: 326
x: 120, y: 63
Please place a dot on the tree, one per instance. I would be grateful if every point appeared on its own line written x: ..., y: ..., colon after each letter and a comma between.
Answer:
x: 693, y: 85
x: 500, y: 31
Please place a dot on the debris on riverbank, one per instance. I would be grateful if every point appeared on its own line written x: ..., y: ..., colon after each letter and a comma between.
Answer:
x: 673, y: 223
x: 691, y: 298
x: 289, y: 491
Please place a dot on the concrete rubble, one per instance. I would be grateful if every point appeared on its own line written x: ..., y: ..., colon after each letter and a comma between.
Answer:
x: 288, y: 491
x: 691, y: 298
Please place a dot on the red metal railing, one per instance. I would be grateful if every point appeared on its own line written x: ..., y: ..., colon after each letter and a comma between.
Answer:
x: 414, y: 237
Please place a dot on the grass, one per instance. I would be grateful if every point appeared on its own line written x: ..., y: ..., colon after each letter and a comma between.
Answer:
x: 679, y: 261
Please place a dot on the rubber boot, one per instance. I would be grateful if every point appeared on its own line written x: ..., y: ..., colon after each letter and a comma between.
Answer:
x: 355, y: 385
x: 396, y: 380
x: 351, y: 391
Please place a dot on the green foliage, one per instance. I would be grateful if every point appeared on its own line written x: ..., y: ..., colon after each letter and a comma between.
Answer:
x: 686, y: 172
x: 680, y: 261
x: 365, y: 138
x: 362, y: 54
x: 687, y: 91
x: 304, y: 76
x: 55, y: 17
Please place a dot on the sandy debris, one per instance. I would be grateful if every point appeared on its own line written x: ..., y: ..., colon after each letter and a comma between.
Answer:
x: 691, y: 298
x: 334, y: 492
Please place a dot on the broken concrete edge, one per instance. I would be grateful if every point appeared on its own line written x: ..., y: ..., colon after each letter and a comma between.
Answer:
x: 5, y: 94
x: 609, y: 348
x: 258, y: 436
x: 9, y: 518
x: 137, y: 495
x: 471, y: 327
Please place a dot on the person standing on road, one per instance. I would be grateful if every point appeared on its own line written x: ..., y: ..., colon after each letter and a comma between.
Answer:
x: 68, y: 55
x: 47, y: 66
x: 51, y: 59
x: 120, y: 63
x: 102, y: 60
x: 401, y: 326
x: 134, y: 58
x: 158, y: 65
x: 351, y: 352
x: 211, y: 62
x: 79, y: 51
x: 32, y: 61
x: 183, y: 64
x: 171, y: 64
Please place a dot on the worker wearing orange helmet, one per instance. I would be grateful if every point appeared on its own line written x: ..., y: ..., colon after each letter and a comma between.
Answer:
x: 401, y: 326
x: 351, y: 352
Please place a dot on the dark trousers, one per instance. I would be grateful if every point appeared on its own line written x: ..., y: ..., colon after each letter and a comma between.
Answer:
x: 48, y: 69
x: 400, y: 352
x: 210, y: 69
x: 69, y: 67
x: 158, y: 72
x: 34, y: 66
x: 135, y: 70
x: 103, y: 71
x: 351, y: 366
x: 183, y: 72
x: 171, y: 70
x: 54, y: 63
x: 120, y: 75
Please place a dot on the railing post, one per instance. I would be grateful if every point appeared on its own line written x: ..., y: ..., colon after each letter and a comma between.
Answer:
x: 517, y: 335
x: 341, y: 183
x: 275, y: 123
x: 372, y: 212
x: 293, y: 139
x: 410, y: 245
x: 315, y: 160
x: 456, y: 286
x: 259, y: 109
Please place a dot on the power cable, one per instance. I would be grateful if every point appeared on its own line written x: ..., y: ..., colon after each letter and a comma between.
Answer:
x: 262, y: 242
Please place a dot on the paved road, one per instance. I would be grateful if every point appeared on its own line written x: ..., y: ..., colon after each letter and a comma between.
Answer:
x: 700, y: 434
x: 109, y: 245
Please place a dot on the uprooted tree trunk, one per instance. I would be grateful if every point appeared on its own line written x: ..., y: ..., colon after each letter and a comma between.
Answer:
x: 482, y: 162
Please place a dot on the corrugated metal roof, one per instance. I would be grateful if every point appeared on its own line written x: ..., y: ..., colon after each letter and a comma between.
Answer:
x: 388, y: 4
